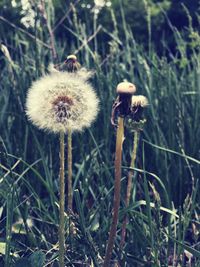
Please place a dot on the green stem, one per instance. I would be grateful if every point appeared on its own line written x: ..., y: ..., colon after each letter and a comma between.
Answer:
x: 62, y: 204
x: 117, y: 187
x: 69, y: 158
x: 129, y: 186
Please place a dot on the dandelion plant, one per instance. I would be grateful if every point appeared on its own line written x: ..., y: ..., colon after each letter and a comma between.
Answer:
x: 121, y: 110
x: 135, y: 123
x: 63, y: 102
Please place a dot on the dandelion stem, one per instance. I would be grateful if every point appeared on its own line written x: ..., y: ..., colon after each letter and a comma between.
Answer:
x: 62, y: 204
x: 117, y: 187
x: 69, y: 158
x: 129, y: 186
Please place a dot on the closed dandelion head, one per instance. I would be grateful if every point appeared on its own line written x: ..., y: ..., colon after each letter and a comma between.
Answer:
x: 126, y: 88
x: 61, y: 101
x: 71, y: 64
x: 139, y: 100
x: 138, y: 103
x: 135, y: 121
x: 122, y: 104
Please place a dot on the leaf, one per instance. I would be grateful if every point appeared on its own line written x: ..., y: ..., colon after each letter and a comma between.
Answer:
x: 173, y: 152
x: 193, y: 251
x: 37, y: 259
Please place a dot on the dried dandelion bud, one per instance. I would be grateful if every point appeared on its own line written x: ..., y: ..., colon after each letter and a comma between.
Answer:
x: 135, y: 121
x: 125, y: 91
x: 122, y: 105
x: 139, y: 100
x: 62, y: 101
x: 71, y: 64
x: 126, y: 88
x: 72, y: 57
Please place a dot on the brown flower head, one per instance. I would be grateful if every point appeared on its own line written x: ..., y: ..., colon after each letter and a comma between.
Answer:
x: 122, y: 104
x: 71, y: 64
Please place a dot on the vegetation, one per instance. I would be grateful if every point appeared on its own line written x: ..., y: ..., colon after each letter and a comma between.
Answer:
x: 163, y: 212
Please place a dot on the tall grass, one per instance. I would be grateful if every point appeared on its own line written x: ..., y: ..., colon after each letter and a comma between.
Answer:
x: 164, y: 206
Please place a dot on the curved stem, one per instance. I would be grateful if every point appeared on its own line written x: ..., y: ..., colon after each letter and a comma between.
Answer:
x: 117, y: 187
x: 62, y: 204
x: 69, y: 165
x: 129, y: 186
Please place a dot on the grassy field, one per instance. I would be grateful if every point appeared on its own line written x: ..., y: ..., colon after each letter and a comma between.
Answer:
x: 163, y: 214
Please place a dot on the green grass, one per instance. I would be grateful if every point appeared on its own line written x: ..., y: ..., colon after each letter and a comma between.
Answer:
x: 164, y: 208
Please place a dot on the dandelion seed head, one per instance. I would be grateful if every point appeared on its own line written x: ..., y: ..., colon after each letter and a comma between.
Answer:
x: 61, y: 101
